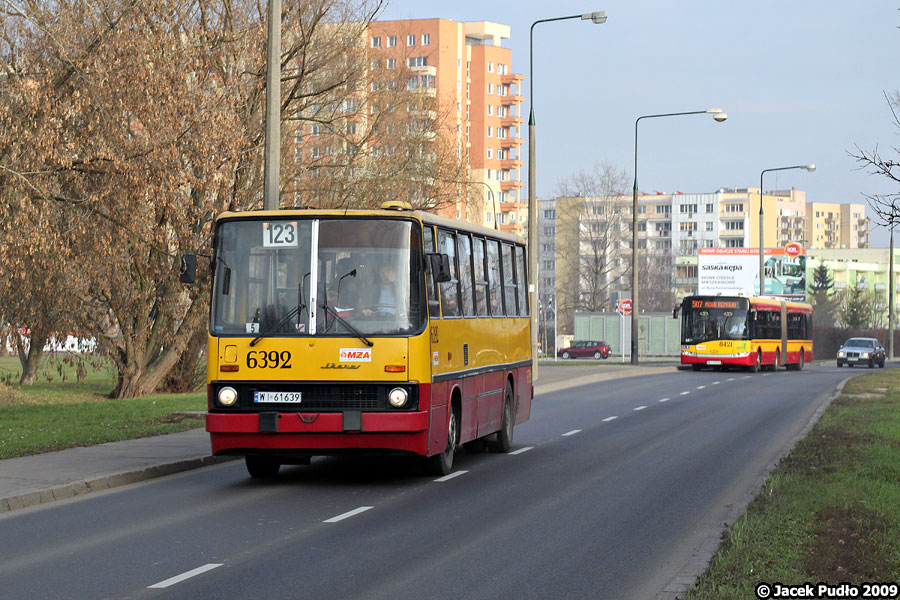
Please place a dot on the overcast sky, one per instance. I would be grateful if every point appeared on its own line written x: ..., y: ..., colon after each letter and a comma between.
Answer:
x: 802, y: 82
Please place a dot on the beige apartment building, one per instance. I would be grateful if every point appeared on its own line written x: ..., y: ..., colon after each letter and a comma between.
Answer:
x: 471, y: 75
x: 671, y: 229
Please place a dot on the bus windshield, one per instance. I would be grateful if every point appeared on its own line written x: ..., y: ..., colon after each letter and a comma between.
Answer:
x: 318, y: 277
x: 709, y: 324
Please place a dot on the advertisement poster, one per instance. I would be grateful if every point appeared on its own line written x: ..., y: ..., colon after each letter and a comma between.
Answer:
x: 729, y: 271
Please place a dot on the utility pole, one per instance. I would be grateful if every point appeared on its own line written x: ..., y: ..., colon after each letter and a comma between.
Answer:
x: 273, y: 109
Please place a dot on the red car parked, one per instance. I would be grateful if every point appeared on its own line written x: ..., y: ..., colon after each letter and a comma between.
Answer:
x: 585, y: 348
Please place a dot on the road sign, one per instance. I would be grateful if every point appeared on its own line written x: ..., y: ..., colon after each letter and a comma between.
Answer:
x: 625, y: 306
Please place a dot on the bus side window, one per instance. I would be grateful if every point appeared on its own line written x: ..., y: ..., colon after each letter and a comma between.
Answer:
x: 449, y: 289
x: 464, y: 243
x: 521, y: 281
x: 481, y: 284
x: 434, y: 305
x: 509, y: 282
x: 495, y: 288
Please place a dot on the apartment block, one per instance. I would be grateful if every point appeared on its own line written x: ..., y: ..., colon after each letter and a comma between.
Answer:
x: 480, y: 96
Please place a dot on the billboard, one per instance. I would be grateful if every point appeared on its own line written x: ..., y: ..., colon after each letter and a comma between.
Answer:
x: 729, y: 271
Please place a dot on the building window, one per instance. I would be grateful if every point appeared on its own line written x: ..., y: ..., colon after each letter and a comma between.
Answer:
x: 490, y: 132
x: 418, y: 61
x: 490, y: 153
x: 709, y: 226
x: 392, y: 63
x: 376, y: 42
x: 411, y: 40
x: 392, y: 41
x: 426, y: 39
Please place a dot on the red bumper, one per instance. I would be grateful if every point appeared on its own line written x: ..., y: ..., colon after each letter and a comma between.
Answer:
x: 235, y: 433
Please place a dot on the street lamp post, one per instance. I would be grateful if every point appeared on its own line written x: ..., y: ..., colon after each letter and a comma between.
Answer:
x: 597, y: 17
x: 719, y: 116
x: 272, y: 168
x: 762, y: 250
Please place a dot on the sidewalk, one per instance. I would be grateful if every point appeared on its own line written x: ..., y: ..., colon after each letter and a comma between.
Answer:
x: 42, y: 478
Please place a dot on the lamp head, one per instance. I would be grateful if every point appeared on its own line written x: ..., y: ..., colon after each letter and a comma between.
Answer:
x: 717, y: 113
x: 597, y: 17
x: 810, y: 168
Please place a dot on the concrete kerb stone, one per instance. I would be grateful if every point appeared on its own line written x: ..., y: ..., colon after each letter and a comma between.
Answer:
x: 105, y: 482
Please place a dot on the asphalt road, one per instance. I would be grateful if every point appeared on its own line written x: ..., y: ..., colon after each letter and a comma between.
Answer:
x: 613, y: 490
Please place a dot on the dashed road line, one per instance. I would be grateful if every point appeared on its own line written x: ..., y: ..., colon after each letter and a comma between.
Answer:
x: 608, y: 419
x: 701, y: 387
x: 640, y: 408
x: 451, y: 476
x: 715, y: 383
x: 685, y: 393
x: 664, y: 399
x: 349, y: 514
x: 573, y: 432
x: 521, y: 450
x: 187, y: 575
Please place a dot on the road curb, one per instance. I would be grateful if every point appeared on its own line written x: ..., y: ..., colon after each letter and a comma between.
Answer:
x: 699, y: 561
x: 105, y: 482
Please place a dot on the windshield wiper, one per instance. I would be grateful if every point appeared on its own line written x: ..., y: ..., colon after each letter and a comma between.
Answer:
x: 286, y: 318
x: 281, y: 322
x: 328, y: 309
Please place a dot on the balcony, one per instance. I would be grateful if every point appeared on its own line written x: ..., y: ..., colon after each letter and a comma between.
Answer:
x: 510, y: 142
x: 510, y: 163
x: 511, y: 121
x: 512, y: 78
x: 508, y: 100
x: 507, y: 206
x: 510, y: 185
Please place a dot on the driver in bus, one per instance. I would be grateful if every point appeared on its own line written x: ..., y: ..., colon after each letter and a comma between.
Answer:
x: 385, y: 296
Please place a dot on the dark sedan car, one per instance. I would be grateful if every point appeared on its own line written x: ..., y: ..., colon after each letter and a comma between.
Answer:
x: 861, y: 351
x: 585, y: 348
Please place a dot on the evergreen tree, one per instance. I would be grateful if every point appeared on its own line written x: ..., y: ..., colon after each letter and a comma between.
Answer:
x: 856, y: 314
x: 823, y: 280
x: 821, y: 295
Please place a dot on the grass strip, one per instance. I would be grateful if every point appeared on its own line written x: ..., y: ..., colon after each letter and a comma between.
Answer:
x: 830, y: 511
x: 64, y: 410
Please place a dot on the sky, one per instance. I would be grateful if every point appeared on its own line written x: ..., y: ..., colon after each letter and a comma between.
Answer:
x: 801, y: 81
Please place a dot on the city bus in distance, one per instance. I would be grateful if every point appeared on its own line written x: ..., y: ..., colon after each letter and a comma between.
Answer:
x: 755, y: 332
x: 386, y: 330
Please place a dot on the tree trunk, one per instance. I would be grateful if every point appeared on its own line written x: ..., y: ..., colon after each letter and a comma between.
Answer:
x: 30, y: 359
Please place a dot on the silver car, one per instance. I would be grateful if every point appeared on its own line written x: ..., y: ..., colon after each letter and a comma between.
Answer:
x: 861, y: 351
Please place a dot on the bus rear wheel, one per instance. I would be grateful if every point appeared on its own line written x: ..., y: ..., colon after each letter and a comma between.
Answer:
x: 505, y: 435
x: 262, y: 467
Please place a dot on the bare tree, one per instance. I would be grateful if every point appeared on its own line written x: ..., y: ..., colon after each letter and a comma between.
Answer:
x: 885, y: 206
x: 593, y: 226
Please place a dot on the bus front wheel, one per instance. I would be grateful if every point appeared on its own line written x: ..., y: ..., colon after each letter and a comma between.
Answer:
x: 442, y: 464
x: 755, y: 368
x: 262, y: 467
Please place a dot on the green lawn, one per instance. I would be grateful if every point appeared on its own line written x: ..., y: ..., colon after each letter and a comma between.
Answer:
x: 60, y: 412
x: 830, y: 511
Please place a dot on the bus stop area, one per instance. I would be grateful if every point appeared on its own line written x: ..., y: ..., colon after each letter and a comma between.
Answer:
x: 43, y: 478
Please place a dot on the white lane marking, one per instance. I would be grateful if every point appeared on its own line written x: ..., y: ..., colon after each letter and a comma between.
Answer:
x: 347, y: 515
x: 715, y: 383
x: 701, y: 387
x: 451, y: 476
x: 664, y: 399
x: 685, y: 393
x: 608, y: 419
x: 521, y: 450
x: 747, y: 377
x: 640, y: 408
x: 573, y: 432
x: 731, y: 379
x: 179, y: 578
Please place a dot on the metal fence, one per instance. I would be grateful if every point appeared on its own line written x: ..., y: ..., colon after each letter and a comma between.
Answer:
x: 658, y: 333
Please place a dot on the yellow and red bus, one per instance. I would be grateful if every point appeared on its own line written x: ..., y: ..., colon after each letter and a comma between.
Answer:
x: 364, y: 331
x: 756, y: 332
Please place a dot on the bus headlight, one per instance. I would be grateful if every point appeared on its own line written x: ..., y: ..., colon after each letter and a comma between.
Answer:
x: 227, y: 396
x: 397, y: 397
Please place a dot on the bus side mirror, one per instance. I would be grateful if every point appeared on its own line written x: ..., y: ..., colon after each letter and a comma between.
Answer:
x: 440, y: 267
x: 188, y: 268
x: 675, y: 312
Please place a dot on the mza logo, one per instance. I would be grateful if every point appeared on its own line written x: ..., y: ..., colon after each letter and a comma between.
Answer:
x: 356, y: 355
